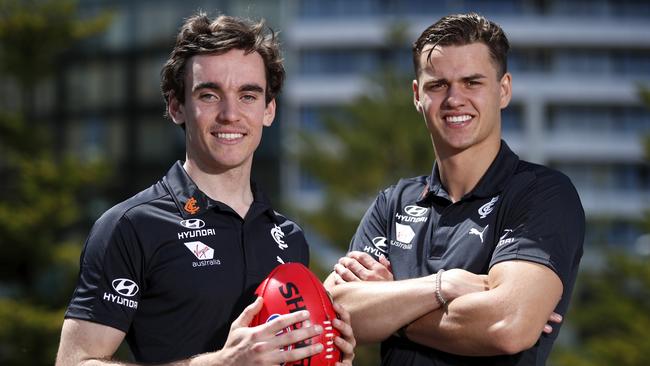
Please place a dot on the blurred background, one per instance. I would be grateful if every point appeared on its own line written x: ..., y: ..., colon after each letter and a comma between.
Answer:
x: 82, y: 128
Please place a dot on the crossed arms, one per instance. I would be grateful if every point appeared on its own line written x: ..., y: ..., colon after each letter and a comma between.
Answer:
x: 503, y: 312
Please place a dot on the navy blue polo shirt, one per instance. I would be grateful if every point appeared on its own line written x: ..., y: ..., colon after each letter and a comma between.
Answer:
x: 173, y: 268
x: 517, y: 211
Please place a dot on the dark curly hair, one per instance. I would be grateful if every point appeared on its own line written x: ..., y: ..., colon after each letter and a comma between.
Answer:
x: 202, y: 35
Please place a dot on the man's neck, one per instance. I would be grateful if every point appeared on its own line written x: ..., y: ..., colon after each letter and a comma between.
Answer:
x: 461, y: 171
x: 232, y: 186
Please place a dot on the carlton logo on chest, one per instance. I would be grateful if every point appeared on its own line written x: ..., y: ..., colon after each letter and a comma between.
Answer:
x: 278, y: 235
x: 487, y: 208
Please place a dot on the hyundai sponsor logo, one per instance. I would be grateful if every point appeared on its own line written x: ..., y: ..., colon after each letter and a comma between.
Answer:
x: 415, y: 211
x: 125, y: 287
x: 380, y: 243
x: 193, y: 223
x: 413, y: 214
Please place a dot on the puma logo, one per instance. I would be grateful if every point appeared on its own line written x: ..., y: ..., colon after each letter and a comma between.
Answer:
x: 475, y: 231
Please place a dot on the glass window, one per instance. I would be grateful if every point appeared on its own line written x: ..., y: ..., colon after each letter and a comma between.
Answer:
x: 631, y: 62
x: 612, y: 232
x: 96, y: 137
x: 156, y: 21
x: 148, y: 73
x: 340, y: 61
x: 530, y: 60
x: 94, y: 85
x: 582, y: 7
x: 512, y: 119
x: 581, y: 61
x: 607, y: 176
x: 600, y: 119
x: 159, y: 140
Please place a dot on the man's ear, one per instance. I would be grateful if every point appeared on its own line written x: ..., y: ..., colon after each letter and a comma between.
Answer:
x: 269, y: 113
x: 416, y: 96
x: 505, y: 90
x: 176, y: 109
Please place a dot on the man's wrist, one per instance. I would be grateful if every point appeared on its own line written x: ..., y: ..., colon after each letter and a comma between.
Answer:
x: 442, y: 301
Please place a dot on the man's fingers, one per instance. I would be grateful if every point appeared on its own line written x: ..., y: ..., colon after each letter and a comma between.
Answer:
x: 383, y: 260
x: 246, y: 317
x: 285, y: 321
x: 547, y: 329
x: 282, y: 357
x: 555, y: 318
x: 346, y: 347
x: 365, y: 259
x: 353, y: 265
x: 296, y: 335
x: 345, y: 329
x: 337, y: 279
x: 346, y: 274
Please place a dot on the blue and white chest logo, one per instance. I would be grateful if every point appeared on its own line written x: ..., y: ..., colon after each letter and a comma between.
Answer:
x: 278, y: 235
x: 487, y: 208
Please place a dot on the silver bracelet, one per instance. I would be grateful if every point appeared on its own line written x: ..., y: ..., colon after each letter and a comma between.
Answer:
x: 441, y: 300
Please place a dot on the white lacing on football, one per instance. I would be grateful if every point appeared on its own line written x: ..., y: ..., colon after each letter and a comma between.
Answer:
x: 327, y: 326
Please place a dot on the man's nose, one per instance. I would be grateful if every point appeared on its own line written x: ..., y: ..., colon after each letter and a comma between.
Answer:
x: 229, y: 111
x: 455, y: 97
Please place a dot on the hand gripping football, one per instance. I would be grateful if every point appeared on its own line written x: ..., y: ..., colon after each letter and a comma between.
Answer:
x: 292, y: 287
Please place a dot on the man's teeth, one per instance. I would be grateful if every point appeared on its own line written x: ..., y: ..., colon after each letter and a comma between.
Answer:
x: 230, y: 136
x: 458, y: 119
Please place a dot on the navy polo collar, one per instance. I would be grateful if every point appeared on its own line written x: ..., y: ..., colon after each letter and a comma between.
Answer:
x: 492, y: 183
x: 191, y: 201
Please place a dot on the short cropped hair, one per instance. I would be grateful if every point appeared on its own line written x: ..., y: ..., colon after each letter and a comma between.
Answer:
x: 461, y: 30
x: 201, y: 35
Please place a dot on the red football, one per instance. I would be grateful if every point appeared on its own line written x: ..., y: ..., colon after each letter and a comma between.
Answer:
x: 293, y: 287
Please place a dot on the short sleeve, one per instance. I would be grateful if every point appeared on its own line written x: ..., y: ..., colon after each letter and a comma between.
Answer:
x: 544, y: 224
x: 110, y: 278
x: 371, y: 233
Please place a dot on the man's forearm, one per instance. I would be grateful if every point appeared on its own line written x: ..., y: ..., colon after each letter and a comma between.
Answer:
x: 469, y: 327
x: 379, y: 308
x: 506, y: 319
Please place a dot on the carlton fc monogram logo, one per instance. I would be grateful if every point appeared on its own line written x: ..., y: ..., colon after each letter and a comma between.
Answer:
x: 487, y: 208
x: 191, y: 207
x: 277, y: 234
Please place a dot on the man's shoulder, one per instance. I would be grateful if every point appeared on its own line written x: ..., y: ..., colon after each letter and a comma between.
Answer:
x: 542, y: 183
x: 540, y: 174
x: 287, y: 223
x: 413, y: 186
x: 138, y: 205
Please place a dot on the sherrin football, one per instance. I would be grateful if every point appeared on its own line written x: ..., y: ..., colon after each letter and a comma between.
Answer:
x: 292, y: 287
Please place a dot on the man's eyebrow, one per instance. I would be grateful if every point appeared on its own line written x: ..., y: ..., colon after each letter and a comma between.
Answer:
x: 252, y: 88
x: 206, y: 85
x: 473, y: 77
x: 436, y: 81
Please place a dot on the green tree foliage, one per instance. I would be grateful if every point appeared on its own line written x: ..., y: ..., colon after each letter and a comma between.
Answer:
x: 369, y: 145
x: 33, y: 33
x: 366, y: 146
x: 42, y: 199
x: 610, y: 315
x: 609, y: 320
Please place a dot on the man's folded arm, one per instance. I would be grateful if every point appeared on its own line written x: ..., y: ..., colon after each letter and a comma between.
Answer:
x: 506, y: 319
